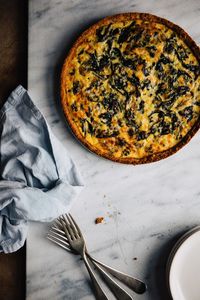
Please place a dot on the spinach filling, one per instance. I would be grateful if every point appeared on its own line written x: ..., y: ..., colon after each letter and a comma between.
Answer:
x: 117, y: 68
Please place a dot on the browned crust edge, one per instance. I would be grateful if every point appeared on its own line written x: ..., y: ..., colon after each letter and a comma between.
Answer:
x: 129, y: 16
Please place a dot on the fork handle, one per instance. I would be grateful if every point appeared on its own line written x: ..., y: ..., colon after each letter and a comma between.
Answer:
x: 136, y: 285
x: 99, y: 293
x: 117, y: 290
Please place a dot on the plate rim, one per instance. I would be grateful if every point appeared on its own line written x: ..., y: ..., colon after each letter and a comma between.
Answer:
x: 175, y: 250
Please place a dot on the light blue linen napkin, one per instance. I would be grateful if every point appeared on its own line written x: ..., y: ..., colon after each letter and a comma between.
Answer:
x: 39, y: 181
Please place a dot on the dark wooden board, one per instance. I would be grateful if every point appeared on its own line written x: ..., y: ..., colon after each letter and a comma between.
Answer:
x: 13, y: 71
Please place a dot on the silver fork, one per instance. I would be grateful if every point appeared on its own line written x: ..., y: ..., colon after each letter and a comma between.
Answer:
x: 58, y: 235
x: 77, y: 243
x: 78, y: 246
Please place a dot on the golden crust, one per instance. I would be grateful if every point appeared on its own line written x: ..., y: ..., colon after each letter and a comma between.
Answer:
x: 123, y: 17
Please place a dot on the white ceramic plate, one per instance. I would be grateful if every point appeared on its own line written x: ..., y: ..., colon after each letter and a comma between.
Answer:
x: 177, y: 245
x: 184, y: 268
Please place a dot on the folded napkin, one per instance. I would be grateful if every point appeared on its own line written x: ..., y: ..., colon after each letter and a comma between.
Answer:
x: 39, y: 180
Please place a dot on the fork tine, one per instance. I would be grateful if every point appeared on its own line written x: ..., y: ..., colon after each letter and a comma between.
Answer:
x: 69, y: 227
x: 72, y: 225
x: 58, y: 243
x: 59, y: 235
x: 65, y: 219
x: 56, y: 238
x: 58, y: 230
x: 66, y: 229
x: 58, y: 223
x: 76, y: 225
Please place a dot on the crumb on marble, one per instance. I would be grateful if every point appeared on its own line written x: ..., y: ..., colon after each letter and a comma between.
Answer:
x: 134, y: 258
x: 113, y: 214
x: 99, y: 220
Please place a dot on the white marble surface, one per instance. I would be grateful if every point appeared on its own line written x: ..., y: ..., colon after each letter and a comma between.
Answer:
x: 146, y: 207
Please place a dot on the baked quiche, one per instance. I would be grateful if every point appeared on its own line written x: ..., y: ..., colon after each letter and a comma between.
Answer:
x: 130, y: 88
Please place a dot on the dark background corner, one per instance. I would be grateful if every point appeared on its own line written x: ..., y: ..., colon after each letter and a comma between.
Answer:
x: 13, y: 71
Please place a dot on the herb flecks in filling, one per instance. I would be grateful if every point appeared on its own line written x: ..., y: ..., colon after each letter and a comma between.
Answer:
x: 134, y: 88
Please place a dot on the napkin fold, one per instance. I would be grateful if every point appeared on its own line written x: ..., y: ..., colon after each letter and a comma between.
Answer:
x: 39, y: 180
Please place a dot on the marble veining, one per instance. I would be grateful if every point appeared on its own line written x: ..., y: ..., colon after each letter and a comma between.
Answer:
x: 146, y: 208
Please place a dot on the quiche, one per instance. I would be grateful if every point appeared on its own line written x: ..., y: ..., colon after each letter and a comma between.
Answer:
x: 130, y: 88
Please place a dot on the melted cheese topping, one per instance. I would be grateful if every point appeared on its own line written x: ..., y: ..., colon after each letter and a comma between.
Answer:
x: 132, y: 88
